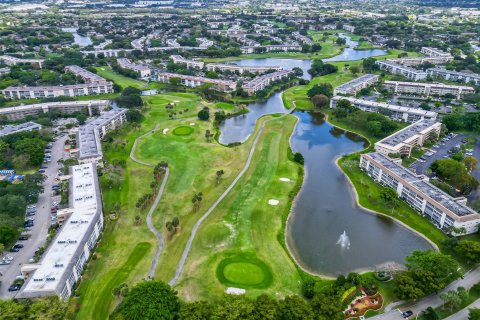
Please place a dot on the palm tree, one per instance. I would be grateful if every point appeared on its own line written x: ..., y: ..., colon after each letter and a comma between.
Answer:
x: 169, y: 226
x: 175, y: 222
x: 197, y: 200
x: 219, y: 175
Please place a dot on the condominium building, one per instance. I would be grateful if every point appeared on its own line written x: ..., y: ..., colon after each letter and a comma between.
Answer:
x: 352, y: 87
x: 454, y: 75
x: 4, y: 71
x: 192, y: 81
x: 12, y: 129
x: 20, y: 112
x: 405, y: 71
x: 261, y: 82
x: 109, y: 53
x: 428, y: 89
x: 349, y: 28
x: 418, y: 61
x: 142, y: 70
x: 240, y: 69
x: 191, y: 64
x: 271, y: 48
x: 63, y: 262
x: 42, y: 92
x: 440, y: 208
x: 395, y: 112
x: 403, y: 141
x: 89, y: 136
x: 433, y: 52
x: 87, y: 76
x: 11, y: 61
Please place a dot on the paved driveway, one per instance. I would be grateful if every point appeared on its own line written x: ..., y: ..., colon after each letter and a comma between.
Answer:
x: 470, y: 278
x: 40, y: 229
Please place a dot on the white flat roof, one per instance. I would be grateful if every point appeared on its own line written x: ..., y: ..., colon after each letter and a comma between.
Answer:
x: 63, y: 252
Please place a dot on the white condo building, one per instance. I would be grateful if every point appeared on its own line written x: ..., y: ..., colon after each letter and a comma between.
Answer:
x: 403, y: 141
x: 427, y: 89
x: 42, y: 92
x: 272, y: 48
x: 433, y: 52
x: 261, y: 82
x: 191, y: 64
x: 420, y: 60
x: 395, y: 112
x: 352, y: 87
x: 22, y: 111
x: 142, y: 70
x: 12, y: 129
x: 440, y: 208
x: 192, y: 81
x: 63, y: 262
x: 405, y: 71
x: 454, y: 75
x: 11, y: 61
x: 90, y: 135
x: 240, y: 69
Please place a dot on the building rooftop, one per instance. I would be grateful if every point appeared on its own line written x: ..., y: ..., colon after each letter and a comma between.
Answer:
x: 84, y: 74
x: 357, y: 81
x: 257, y: 80
x: 85, y: 207
x: 421, y: 183
x: 9, y: 129
x: 399, y: 66
x: 85, y: 103
x: 423, y: 84
x: 408, y: 132
x: 453, y: 72
x: 66, y: 87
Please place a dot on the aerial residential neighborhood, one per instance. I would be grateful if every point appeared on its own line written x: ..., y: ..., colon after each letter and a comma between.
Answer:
x: 181, y: 160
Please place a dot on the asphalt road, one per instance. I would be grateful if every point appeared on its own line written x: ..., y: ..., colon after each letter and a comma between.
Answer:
x: 444, y: 147
x: 475, y: 195
x: 470, y: 278
x: 463, y: 314
x: 39, y: 231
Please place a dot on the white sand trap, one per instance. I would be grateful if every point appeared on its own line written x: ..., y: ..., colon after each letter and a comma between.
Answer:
x: 192, y: 123
x: 165, y: 130
x: 273, y: 202
x: 176, y: 101
x: 284, y: 179
x: 236, y: 291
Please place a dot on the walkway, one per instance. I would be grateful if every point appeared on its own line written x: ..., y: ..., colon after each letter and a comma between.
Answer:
x: 181, y: 263
x: 152, y: 228
x: 469, y: 279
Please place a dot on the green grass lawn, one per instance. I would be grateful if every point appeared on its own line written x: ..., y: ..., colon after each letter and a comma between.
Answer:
x: 122, y: 81
x: 245, y: 225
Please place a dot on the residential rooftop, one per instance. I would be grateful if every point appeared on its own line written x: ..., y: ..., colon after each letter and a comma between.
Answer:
x: 408, y: 132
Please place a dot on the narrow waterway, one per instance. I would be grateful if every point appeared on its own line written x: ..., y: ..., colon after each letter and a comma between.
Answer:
x: 327, y: 232
x: 82, y: 41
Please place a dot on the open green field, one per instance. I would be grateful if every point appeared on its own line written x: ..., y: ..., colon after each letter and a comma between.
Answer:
x: 125, y: 251
x: 122, y: 81
x: 240, y: 243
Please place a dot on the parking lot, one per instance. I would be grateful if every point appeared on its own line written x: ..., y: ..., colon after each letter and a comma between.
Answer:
x: 40, y: 215
x: 438, y: 151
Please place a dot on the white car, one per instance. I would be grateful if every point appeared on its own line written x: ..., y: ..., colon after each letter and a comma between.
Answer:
x: 7, y: 258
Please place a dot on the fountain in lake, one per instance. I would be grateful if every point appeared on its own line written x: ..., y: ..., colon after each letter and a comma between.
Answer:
x: 344, y: 240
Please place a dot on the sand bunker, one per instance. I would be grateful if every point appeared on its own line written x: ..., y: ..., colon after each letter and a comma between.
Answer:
x: 165, y: 130
x: 273, y: 202
x: 236, y: 291
x: 192, y: 123
x: 284, y: 179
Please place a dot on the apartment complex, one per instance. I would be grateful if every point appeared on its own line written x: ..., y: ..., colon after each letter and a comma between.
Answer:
x: 395, y: 112
x: 271, y: 48
x: 403, y: 141
x: 20, y: 112
x: 261, y: 82
x: 454, y: 75
x: 62, y: 264
x: 192, y: 81
x: 434, y: 204
x: 42, y: 92
x: 11, y: 61
x: 89, y: 136
x: 405, y: 71
x: 191, y: 64
x: 142, y: 70
x: 240, y: 69
x: 418, y: 61
x: 12, y: 129
x: 352, y: 87
x: 433, y: 52
x: 87, y: 76
x: 428, y: 89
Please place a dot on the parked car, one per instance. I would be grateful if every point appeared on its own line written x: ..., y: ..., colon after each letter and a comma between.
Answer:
x: 14, y: 287
x: 41, y: 171
x: 23, y: 238
x: 18, y: 245
x: 14, y: 249
x: 407, y: 314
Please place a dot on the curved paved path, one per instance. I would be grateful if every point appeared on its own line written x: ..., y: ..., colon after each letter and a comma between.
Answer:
x: 150, y: 225
x: 181, y: 263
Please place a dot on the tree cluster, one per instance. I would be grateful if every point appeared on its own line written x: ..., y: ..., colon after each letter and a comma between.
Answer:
x: 319, y: 68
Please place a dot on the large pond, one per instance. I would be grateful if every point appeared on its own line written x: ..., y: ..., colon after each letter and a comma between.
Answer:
x: 82, y: 41
x: 324, y: 210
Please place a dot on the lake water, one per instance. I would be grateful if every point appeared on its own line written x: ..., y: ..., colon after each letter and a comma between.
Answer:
x: 325, y: 208
x: 82, y: 41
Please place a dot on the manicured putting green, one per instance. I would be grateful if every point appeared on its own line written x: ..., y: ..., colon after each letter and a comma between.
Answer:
x: 244, y: 271
x: 183, y: 131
